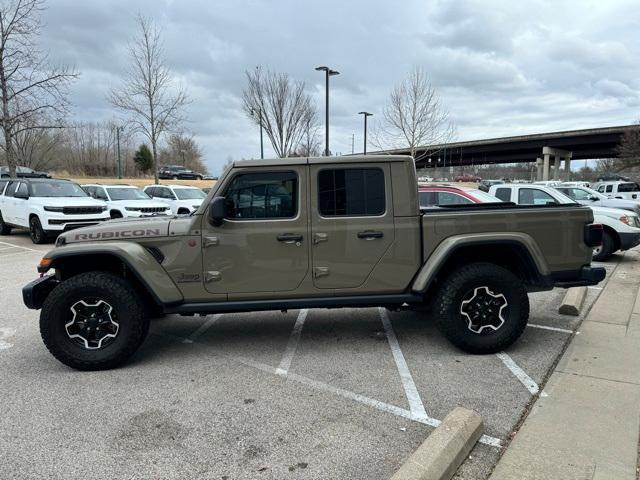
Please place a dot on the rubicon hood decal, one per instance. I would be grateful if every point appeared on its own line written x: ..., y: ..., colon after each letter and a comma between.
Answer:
x: 107, y: 234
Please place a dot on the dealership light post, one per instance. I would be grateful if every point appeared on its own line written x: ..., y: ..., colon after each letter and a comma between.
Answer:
x: 328, y: 73
x: 365, y: 114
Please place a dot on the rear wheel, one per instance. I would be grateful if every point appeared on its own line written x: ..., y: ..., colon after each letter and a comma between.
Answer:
x: 37, y: 233
x: 482, y: 308
x: 4, y: 228
x: 93, y: 321
x: 604, y: 251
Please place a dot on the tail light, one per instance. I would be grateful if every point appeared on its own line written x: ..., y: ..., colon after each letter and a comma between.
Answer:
x: 593, y: 234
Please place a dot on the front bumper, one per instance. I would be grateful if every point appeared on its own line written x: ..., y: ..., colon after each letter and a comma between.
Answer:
x: 34, y: 293
x: 586, y: 276
x: 629, y: 240
x: 63, y: 224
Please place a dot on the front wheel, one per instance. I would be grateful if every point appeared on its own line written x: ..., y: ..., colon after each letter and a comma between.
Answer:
x: 482, y: 308
x: 93, y: 321
x: 37, y: 233
x: 605, y: 250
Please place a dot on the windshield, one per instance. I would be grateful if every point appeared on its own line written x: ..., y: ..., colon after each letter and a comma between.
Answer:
x: 483, y: 196
x: 628, y: 187
x: 127, y: 194
x: 56, y: 189
x: 188, y: 193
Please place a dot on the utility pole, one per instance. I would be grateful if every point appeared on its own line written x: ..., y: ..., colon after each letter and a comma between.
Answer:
x: 253, y: 112
x: 119, y: 156
x: 353, y: 141
x: 328, y: 73
x: 365, y: 114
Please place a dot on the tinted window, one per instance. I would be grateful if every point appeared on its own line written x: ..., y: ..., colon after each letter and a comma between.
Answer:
x: 628, y: 187
x: 11, y: 188
x: 151, y: 191
x: 351, y: 192
x: 22, y: 189
x: 448, y: 198
x: 531, y: 196
x: 504, y: 194
x: 427, y: 198
x: 601, y: 188
x: 263, y: 195
x: 2, y: 184
x: 609, y: 188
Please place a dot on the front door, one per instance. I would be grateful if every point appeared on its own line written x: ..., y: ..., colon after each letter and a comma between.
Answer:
x: 351, y: 222
x: 262, y: 245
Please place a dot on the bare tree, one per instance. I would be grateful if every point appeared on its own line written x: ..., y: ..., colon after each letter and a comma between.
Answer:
x: 283, y: 107
x: 628, y: 150
x: 154, y: 105
x: 310, y: 143
x: 414, y: 116
x: 31, y: 89
x: 37, y: 147
x: 183, y: 149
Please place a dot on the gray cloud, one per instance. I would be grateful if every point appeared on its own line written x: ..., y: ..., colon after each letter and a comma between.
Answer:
x: 501, y: 67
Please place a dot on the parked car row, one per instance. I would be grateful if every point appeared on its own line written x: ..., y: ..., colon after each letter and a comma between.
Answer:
x: 47, y: 207
x: 23, y: 172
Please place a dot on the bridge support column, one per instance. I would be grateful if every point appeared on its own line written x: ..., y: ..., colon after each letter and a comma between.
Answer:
x: 556, y: 167
x: 545, y: 167
x: 567, y: 168
x: 538, y: 169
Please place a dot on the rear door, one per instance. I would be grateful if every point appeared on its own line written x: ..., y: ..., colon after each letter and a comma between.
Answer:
x: 20, y: 212
x: 8, y: 202
x: 351, y: 222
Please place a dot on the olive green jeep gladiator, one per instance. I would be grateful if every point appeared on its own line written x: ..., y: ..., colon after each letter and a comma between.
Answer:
x: 310, y: 233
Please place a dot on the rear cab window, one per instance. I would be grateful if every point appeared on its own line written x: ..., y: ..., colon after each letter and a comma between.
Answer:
x: 532, y: 196
x: 504, y: 194
x: 628, y: 187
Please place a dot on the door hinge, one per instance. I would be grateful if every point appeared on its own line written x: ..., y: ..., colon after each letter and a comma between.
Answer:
x: 209, y: 241
x: 319, y: 237
x: 212, y: 277
x: 320, y: 272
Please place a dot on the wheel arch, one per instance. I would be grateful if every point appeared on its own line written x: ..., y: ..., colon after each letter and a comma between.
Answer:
x: 517, y: 252
x: 127, y: 259
x: 617, y: 243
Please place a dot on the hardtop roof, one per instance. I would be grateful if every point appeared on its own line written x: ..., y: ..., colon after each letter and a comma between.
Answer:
x: 322, y: 160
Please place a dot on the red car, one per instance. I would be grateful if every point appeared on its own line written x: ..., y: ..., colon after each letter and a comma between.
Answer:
x: 437, y: 195
x: 467, y: 178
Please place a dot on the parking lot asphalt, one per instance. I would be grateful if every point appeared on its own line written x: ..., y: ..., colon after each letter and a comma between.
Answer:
x: 303, y: 394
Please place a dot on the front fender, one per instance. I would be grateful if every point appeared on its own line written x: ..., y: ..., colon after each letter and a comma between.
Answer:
x: 137, y: 259
x: 449, y: 245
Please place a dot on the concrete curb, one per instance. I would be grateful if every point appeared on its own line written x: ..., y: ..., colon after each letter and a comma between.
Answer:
x: 440, y: 455
x: 573, y: 300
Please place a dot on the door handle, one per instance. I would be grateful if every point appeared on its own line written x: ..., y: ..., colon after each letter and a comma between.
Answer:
x: 370, y: 235
x: 289, y: 237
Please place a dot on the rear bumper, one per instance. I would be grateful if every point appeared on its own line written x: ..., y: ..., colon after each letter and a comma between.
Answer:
x: 629, y: 240
x: 34, y: 293
x: 587, y: 275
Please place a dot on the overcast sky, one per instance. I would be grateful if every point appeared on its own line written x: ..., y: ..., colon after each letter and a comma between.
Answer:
x: 501, y: 67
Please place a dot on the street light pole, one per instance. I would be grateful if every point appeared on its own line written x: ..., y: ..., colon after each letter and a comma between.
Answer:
x: 119, y: 156
x: 365, y: 114
x: 328, y: 73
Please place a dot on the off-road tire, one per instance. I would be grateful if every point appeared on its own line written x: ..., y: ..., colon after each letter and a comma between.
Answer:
x: 459, y: 285
x: 4, y: 228
x: 128, y: 307
x: 36, y: 232
x: 607, y: 248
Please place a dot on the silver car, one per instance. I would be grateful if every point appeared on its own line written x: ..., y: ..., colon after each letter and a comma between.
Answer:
x: 588, y: 196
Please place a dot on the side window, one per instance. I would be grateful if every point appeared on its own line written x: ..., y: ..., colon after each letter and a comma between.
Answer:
x: 168, y: 193
x: 351, y: 192
x: 263, y: 195
x: 88, y: 190
x: 3, y: 183
x: 11, y: 188
x: 427, y: 199
x: 448, y: 198
x: 609, y: 188
x: 503, y: 194
x: 22, y: 189
x: 578, y: 194
x: 161, y: 192
x: 100, y: 193
x: 531, y: 196
x: 151, y: 191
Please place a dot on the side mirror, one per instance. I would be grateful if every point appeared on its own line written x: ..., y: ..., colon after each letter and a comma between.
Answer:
x: 217, y: 211
x: 593, y: 198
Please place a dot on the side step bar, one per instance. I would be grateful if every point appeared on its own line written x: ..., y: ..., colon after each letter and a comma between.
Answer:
x: 294, y: 303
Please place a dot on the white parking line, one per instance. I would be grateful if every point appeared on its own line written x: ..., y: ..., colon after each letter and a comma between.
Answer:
x: 377, y: 404
x: 553, y: 329
x: 594, y: 288
x: 17, y: 253
x: 292, y: 345
x: 410, y: 390
x: 5, y: 333
x: 520, y: 374
x: 201, y: 329
x: 18, y: 246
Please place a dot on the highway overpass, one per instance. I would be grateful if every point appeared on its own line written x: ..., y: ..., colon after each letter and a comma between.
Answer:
x: 548, y: 150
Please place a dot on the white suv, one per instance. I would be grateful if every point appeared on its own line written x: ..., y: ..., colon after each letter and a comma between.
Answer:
x: 47, y: 207
x: 182, y: 199
x: 126, y: 201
